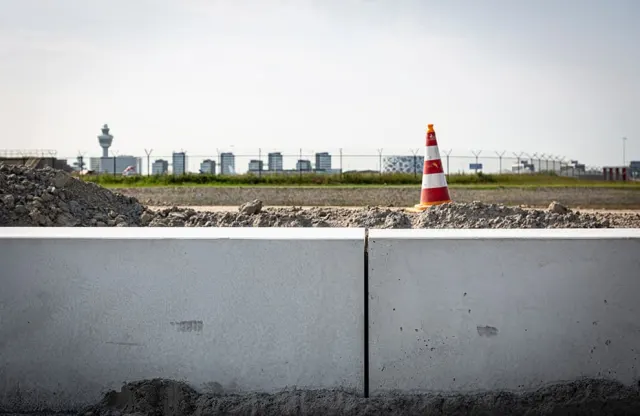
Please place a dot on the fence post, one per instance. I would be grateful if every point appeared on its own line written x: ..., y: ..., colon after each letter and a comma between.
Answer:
x: 340, y: 163
x: 500, y: 161
x: 518, y: 156
x: 300, y: 165
x: 448, y: 154
x: 476, y: 154
x: 415, y: 162
x: 380, y: 160
x: 148, y: 152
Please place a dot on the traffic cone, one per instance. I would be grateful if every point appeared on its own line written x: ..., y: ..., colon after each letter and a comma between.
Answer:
x: 434, y: 184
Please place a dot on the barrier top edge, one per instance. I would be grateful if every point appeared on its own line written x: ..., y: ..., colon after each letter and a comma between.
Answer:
x: 520, y: 234
x: 195, y: 233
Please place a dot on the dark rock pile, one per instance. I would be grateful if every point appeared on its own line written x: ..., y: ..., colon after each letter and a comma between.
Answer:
x: 50, y: 198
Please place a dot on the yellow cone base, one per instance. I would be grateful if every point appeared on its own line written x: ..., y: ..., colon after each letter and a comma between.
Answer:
x: 422, y: 207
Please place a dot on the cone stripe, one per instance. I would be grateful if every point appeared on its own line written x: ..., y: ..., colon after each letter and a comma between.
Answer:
x: 436, y: 180
x: 434, y: 196
x: 432, y: 153
x: 431, y: 139
x: 432, y: 166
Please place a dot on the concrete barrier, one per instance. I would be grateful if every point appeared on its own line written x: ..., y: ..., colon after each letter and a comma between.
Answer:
x: 477, y: 310
x: 83, y: 311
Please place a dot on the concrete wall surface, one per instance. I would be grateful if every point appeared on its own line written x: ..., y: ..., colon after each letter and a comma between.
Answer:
x: 476, y: 310
x: 83, y: 311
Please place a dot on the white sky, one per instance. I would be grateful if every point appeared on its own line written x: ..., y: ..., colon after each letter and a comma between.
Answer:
x: 546, y: 76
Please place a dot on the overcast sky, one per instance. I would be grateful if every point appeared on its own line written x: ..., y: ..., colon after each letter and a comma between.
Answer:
x: 548, y: 76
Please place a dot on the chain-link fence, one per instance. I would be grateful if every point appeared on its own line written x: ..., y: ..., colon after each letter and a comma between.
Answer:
x: 300, y: 161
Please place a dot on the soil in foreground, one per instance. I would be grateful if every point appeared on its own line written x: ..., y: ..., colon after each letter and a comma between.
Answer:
x: 159, y: 397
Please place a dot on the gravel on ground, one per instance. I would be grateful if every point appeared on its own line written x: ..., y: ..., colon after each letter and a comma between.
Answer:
x: 49, y: 198
x: 385, y: 196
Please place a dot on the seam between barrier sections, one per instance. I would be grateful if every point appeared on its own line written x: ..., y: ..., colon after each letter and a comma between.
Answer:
x: 366, y: 313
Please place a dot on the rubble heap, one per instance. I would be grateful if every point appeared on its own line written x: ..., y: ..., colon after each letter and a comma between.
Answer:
x: 454, y: 215
x: 50, y: 198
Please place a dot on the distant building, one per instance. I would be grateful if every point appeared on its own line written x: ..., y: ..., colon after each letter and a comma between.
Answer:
x: 523, y: 167
x: 303, y: 165
x: 160, y: 167
x: 256, y: 166
x: 275, y: 161
x: 179, y: 163
x: 94, y: 164
x: 119, y: 164
x: 574, y: 168
x: 634, y: 168
x: 403, y: 164
x: 323, y: 161
x: 227, y: 163
x: 208, y: 166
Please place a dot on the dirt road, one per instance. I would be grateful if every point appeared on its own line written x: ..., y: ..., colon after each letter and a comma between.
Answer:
x: 593, y: 198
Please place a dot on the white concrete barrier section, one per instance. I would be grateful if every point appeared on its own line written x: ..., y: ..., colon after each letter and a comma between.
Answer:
x: 83, y: 311
x: 475, y: 310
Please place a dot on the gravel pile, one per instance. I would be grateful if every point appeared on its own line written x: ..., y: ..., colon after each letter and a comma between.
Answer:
x: 473, y: 215
x: 165, y: 397
x: 48, y: 197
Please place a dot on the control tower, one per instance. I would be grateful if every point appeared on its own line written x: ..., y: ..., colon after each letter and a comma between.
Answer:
x: 105, y: 140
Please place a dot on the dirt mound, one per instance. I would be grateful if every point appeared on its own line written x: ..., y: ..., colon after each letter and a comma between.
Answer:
x: 473, y: 215
x: 49, y: 198
x: 165, y: 397
x: 480, y: 215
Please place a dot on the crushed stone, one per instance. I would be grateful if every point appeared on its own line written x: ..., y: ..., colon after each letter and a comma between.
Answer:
x: 50, y: 198
x: 251, y: 208
x: 165, y: 397
x: 454, y: 215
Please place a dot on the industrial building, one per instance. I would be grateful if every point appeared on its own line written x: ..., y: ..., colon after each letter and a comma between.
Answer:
x: 160, y: 167
x: 303, y: 165
x: 402, y: 164
x: 255, y: 166
x: 208, y: 166
x: 323, y: 161
x: 227, y: 163
x: 117, y: 164
x: 179, y: 163
x: 34, y: 159
x: 275, y: 161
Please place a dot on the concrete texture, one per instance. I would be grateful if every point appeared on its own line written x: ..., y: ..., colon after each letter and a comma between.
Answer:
x: 83, y: 311
x: 393, y: 196
x: 463, y: 311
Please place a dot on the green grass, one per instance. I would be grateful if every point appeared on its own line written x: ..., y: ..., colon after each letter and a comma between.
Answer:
x: 479, y: 181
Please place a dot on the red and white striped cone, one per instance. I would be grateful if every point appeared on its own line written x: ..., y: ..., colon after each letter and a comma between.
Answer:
x: 434, y: 184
